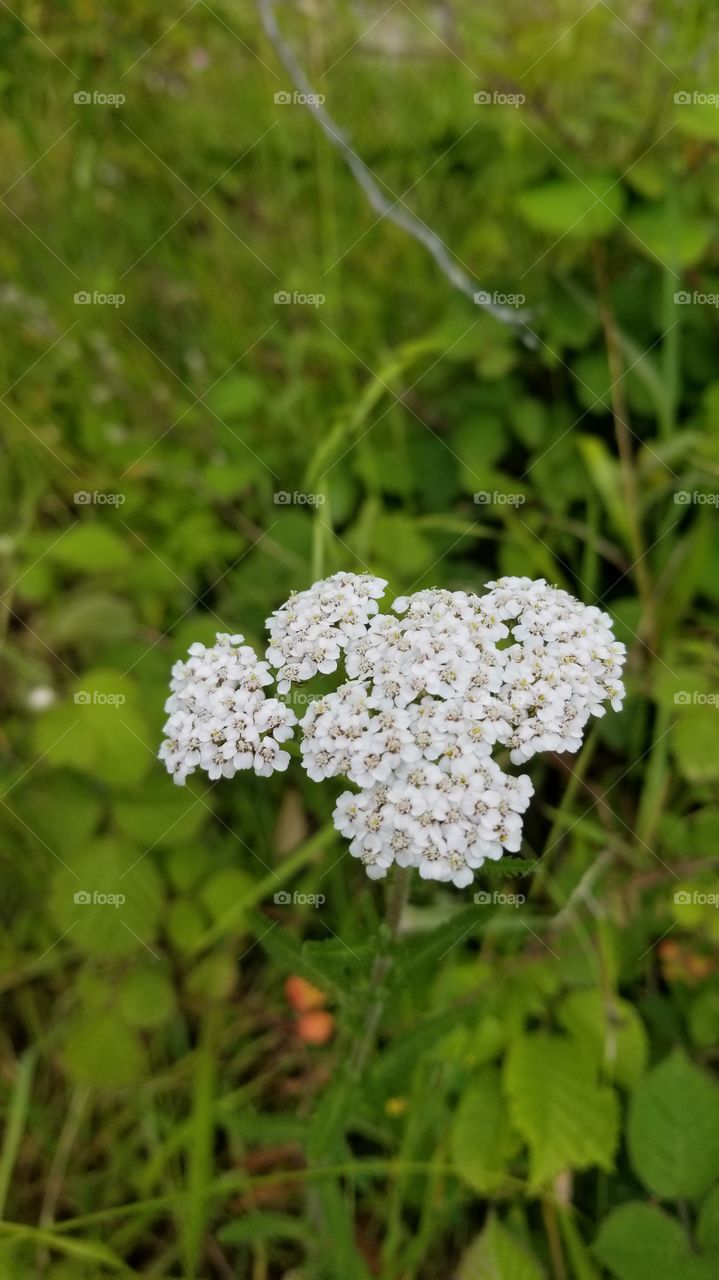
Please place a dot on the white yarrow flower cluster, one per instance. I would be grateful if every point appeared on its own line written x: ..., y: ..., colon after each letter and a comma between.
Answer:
x: 435, y: 689
x: 220, y: 719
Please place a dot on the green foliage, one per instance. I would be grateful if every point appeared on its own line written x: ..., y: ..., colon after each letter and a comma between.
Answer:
x: 674, y: 1130
x: 640, y: 1242
x: 568, y: 1119
x: 483, y: 1140
x: 497, y: 1255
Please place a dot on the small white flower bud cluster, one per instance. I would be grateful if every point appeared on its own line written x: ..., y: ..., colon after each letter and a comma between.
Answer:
x: 219, y: 717
x: 431, y: 694
x: 310, y: 631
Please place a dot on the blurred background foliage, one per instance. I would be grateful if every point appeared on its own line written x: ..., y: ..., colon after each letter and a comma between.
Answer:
x: 541, y: 1103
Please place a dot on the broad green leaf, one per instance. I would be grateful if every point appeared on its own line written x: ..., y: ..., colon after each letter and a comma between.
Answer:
x: 62, y: 808
x: 479, y: 443
x: 107, y: 898
x: 708, y: 1224
x: 567, y: 206
x: 99, y: 1049
x: 497, y: 1255
x: 695, y: 743
x: 704, y: 831
x: 98, y: 731
x: 640, y: 1242
x: 223, y: 890
x: 671, y: 243
x: 698, y: 119
x: 612, y: 1030
x: 569, y: 1119
x: 159, y: 814
x: 397, y: 536
x: 703, y: 1018
x: 88, y: 621
x: 146, y: 998
x: 673, y: 1129
x: 213, y: 977
x: 483, y: 1141
x: 237, y: 396
x: 92, y: 547
x: 185, y: 924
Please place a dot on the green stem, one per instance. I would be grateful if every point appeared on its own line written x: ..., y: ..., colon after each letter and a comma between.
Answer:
x: 383, y: 961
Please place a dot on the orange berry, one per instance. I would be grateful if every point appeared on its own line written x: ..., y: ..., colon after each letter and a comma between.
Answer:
x: 302, y: 995
x: 316, y: 1027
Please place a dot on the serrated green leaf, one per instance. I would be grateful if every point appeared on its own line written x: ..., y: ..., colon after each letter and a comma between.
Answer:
x: 673, y: 1129
x: 497, y: 1255
x: 569, y: 1120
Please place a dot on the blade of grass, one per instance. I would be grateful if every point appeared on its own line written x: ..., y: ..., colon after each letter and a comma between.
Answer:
x: 199, y: 1149
x: 16, y: 1117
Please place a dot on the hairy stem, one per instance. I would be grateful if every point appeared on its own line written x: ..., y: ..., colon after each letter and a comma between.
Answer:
x: 396, y: 899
